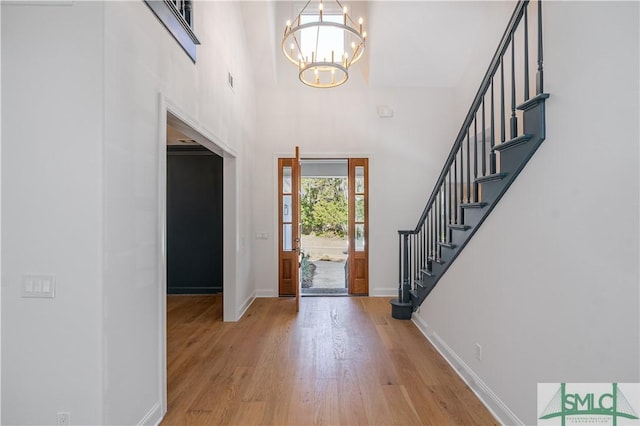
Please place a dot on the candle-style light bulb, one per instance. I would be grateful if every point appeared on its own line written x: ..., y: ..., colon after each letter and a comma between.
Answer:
x: 344, y: 14
x: 364, y: 34
x: 360, y: 21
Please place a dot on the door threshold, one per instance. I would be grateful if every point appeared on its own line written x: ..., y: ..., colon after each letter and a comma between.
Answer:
x: 324, y: 291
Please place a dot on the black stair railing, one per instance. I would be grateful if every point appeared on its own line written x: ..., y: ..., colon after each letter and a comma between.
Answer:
x: 177, y: 17
x: 474, y: 158
x: 183, y: 9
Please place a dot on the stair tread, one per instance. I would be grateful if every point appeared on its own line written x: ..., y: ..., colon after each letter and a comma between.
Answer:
x: 437, y: 260
x: 513, y: 142
x: 446, y: 244
x: 459, y: 226
x: 477, y: 205
x: 491, y: 178
x: 533, y: 101
x: 426, y: 272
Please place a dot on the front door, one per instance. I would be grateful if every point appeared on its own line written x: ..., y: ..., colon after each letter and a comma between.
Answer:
x: 289, y: 227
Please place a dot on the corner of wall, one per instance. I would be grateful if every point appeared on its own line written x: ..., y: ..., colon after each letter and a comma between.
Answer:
x: 246, y: 304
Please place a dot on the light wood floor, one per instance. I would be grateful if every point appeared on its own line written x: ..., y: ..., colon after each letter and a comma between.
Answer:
x: 340, y: 361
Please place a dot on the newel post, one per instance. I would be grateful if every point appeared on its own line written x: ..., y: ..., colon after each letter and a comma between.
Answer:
x: 401, y: 308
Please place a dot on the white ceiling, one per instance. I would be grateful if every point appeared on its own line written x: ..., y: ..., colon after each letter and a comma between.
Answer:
x: 409, y: 44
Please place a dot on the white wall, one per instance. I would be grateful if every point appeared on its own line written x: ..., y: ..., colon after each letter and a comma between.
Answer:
x: 83, y: 83
x: 549, y: 285
x: 142, y: 60
x: 51, y: 211
x: 485, y: 45
x: 406, y: 155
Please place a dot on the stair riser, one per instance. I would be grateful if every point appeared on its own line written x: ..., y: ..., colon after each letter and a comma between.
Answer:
x: 492, y: 190
x: 472, y: 217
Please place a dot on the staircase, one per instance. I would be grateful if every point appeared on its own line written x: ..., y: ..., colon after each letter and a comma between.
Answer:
x: 502, y: 130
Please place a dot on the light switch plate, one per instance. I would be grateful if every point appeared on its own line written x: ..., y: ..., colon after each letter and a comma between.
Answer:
x: 39, y: 285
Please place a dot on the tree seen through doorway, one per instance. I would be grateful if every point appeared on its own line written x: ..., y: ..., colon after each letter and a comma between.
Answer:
x: 324, y: 221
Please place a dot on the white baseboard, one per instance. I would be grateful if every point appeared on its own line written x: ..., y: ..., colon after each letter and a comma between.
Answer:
x: 384, y: 292
x: 266, y: 293
x: 248, y: 301
x: 153, y: 417
x: 490, y: 400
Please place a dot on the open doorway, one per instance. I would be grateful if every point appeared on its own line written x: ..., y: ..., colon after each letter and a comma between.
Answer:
x: 324, y: 224
x: 177, y: 128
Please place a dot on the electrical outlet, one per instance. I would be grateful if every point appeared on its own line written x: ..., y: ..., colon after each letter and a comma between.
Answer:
x: 63, y: 418
x: 479, y: 351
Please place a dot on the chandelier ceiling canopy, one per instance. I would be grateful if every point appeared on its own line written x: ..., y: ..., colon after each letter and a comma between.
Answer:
x: 323, y: 41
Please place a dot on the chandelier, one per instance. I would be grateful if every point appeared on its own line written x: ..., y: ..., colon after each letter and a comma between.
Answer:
x: 323, y: 44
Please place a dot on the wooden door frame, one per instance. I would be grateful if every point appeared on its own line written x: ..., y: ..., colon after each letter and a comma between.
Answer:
x: 276, y: 193
x: 357, y: 258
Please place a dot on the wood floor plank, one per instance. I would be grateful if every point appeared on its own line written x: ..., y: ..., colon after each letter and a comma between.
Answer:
x: 340, y: 361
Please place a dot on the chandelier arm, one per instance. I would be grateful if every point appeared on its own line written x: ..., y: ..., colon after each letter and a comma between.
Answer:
x: 317, y: 41
x: 355, y: 54
x: 295, y: 39
x: 301, y: 11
